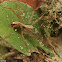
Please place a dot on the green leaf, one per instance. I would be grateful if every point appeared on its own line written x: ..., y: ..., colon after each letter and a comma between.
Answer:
x: 7, y: 17
x: 15, y: 38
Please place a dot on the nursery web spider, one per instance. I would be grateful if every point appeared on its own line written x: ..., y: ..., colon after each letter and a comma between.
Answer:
x: 28, y: 28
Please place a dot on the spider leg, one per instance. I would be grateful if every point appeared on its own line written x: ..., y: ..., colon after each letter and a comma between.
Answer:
x: 19, y: 11
x: 24, y: 39
x: 11, y: 31
x: 12, y: 11
x: 34, y: 11
x: 48, y: 17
